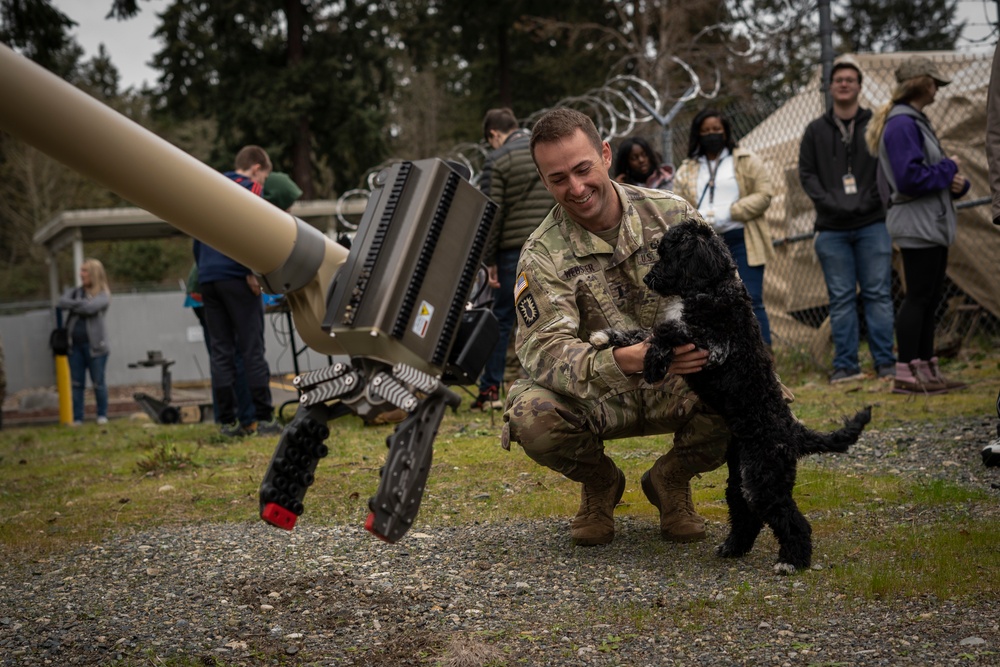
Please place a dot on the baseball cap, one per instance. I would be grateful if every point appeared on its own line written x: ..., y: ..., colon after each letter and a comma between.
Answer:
x: 916, y: 66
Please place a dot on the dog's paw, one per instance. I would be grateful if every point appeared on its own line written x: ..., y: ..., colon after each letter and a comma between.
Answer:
x: 600, y: 339
x: 606, y: 338
x: 655, y: 364
x: 784, y: 569
x: 728, y: 550
x: 654, y: 374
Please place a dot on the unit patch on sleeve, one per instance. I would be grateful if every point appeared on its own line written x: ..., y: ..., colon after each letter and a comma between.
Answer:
x: 528, y: 309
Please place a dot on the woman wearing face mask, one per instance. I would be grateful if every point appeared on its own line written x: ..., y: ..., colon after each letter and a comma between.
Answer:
x: 638, y: 164
x: 731, y: 189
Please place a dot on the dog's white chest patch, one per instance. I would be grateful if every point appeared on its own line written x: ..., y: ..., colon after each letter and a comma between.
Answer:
x: 674, y: 311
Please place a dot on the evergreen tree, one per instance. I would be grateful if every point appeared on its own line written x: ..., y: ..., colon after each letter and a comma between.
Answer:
x: 483, y: 55
x: 306, y: 80
x: 784, y: 46
x: 40, y: 32
x: 881, y: 26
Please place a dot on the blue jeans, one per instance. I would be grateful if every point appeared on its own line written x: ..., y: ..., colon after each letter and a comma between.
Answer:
x: 852, y: 259
x: 81, y: 361
x: 503, y: 309
x: 752, y: 277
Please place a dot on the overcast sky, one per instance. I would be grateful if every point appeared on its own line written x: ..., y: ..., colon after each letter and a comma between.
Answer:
x: 131, y: 43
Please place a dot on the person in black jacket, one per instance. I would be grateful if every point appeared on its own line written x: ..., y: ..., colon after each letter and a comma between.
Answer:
x: 852, y: 243
x: 510, y: 179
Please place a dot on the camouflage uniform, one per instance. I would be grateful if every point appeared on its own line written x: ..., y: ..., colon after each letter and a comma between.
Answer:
x: 570, y: 284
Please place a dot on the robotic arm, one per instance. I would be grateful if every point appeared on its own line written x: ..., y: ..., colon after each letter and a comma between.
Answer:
x: 395, y: 304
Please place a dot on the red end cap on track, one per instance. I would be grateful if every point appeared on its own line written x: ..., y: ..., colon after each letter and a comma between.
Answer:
x: 276, y: 515
x: 370, y: 527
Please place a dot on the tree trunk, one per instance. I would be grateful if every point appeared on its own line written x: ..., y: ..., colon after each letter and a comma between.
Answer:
x: 302, y: 147
x: 503, y: 67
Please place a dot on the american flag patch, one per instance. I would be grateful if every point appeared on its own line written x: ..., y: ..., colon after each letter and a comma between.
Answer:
x: 520, y: 286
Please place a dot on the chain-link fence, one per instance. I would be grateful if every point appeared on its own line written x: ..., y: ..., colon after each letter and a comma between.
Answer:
x: 795, y: 291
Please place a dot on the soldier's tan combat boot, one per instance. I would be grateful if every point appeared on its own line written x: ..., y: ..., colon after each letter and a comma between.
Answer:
x: 595, y: 522
x: 667, y: 486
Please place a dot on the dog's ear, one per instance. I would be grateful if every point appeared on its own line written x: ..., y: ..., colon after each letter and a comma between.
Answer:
x: 707, y: 258
x: 715, y: 260
x: 693, y: 259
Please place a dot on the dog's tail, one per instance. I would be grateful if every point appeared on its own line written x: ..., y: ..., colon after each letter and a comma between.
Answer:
x: 837, y: 441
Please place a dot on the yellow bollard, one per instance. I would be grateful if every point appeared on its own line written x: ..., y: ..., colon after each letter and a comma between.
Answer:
x: 65, y: 390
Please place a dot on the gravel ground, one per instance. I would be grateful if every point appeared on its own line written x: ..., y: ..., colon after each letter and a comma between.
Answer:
x: 512, y: 593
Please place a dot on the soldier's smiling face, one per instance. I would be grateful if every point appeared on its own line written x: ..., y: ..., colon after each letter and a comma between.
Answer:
x: 576, y: 174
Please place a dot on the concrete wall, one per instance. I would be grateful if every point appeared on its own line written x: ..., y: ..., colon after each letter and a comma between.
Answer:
x: 136, y: 324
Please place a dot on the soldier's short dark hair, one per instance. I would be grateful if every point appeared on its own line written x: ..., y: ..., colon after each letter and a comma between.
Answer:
x: 502, y: 120
x: 560, y: 123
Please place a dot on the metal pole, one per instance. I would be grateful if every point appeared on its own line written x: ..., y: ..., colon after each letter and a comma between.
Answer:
x: 667, y: 145
x: 826, y: 48
x: 665, y: 121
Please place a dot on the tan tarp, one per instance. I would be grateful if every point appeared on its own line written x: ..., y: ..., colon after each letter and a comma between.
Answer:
x: 794, y: 282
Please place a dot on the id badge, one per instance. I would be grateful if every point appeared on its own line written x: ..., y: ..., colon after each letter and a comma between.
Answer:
x: 850, y: 185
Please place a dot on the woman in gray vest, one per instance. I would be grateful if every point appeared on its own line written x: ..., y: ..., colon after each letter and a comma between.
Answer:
x: 88, y: 340
x: 922, y: 182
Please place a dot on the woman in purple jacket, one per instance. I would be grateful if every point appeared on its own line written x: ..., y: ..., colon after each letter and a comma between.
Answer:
x: 921, y: 218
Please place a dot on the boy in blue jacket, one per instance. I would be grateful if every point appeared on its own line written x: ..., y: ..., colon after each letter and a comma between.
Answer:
x: 234, y: 317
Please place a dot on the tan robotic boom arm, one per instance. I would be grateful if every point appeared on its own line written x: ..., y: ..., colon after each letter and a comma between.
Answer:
x: 396, y: 304
x: 62, y: 121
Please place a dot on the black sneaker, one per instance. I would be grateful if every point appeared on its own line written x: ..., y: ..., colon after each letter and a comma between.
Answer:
x: 844, y: 375
x: 886, y: 371
x: 269, y: 428
x: 238, y: 430
x: 488, y: 399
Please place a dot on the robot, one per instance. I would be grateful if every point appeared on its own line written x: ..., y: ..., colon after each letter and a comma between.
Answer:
x: 395, y: 305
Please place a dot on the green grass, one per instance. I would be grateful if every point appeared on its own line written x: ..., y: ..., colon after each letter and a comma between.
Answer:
x: 881, y: 535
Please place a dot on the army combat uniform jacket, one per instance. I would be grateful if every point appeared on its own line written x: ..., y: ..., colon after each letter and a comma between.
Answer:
x: 571, y: 283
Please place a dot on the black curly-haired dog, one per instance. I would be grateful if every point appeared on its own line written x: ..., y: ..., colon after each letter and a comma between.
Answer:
x: 710, y: 307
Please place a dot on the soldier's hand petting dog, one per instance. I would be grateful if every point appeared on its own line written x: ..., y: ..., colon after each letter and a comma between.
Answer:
x: 687, y: 358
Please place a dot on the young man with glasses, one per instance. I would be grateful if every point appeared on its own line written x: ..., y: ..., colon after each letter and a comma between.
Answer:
x: 852, y: 243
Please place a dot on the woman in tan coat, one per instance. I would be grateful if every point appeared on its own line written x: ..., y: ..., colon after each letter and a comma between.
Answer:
x: 731, y: 189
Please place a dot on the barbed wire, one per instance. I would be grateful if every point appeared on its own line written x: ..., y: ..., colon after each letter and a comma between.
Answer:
x: 619, y: 106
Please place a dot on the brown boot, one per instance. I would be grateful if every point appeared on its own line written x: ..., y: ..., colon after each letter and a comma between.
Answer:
x: 922, y: 371
x: 667, y: 486
x: 935, y: 371
x: 594, y: 523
